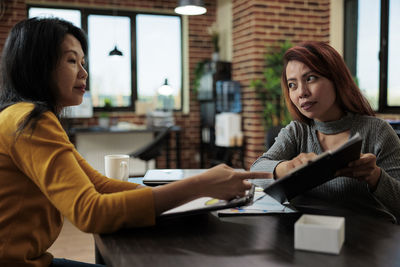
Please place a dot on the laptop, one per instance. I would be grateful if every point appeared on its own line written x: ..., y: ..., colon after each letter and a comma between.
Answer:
x: 165, y: 176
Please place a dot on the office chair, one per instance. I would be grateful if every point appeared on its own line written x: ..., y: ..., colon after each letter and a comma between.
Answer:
x: 153, y: 149
x: 272, y: 133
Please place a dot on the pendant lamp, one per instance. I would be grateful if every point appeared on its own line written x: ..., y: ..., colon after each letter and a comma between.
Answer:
x: 165, y: 89
x: 191, y: 7
x: 115, y: 52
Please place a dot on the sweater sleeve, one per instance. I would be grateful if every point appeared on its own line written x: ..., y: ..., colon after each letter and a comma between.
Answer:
x: 284, y: 148
x: 387, y: 151
x: 47, y: 157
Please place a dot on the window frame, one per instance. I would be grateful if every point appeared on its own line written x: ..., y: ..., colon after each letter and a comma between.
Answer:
x: 350, y: 51
x: 85, y: 12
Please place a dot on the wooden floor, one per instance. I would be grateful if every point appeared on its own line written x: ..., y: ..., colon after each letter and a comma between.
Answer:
x: 73, y: 244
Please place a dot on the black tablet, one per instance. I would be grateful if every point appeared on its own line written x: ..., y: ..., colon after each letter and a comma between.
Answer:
x: 315, y: 172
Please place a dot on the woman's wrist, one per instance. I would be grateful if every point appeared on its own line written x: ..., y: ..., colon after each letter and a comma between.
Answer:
x: 274, y: 173
x: 373, y: 182
x: 174, y: 194
x: 196, y: 186
x: 279, y: 170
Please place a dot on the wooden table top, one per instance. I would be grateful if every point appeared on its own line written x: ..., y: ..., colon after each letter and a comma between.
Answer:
x: 268, y: 240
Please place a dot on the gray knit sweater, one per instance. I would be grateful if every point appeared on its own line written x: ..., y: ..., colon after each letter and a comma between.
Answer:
x: 378, y: 138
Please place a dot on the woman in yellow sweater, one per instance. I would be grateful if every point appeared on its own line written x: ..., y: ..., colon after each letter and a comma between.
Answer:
x: 43, y: 177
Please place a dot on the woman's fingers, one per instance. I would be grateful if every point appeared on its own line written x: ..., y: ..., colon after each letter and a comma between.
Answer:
x: 253, y: 175
x: 363, y: 169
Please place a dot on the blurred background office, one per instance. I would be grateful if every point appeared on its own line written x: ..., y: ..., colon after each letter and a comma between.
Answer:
x: 222, y: 72
x: 135, y: 46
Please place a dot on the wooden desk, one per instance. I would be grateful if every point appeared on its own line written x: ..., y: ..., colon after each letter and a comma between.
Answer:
x: 207, y: 240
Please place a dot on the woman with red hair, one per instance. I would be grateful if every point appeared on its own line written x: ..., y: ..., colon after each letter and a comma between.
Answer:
x: 328, y: 108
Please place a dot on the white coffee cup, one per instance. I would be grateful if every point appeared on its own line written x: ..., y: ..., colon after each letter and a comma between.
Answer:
x: 117, y: 166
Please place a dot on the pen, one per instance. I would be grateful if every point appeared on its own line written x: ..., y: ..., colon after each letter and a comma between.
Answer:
x: 259, y: 198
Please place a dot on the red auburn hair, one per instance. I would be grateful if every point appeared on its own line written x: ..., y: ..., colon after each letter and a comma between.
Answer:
x: 324, y: 60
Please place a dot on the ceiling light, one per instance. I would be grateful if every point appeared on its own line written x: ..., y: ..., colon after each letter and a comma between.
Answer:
x: 165, y: 89
x: 115, y: 52
x: 191, y: 7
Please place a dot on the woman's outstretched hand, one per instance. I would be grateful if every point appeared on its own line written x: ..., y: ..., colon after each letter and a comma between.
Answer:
x: 224, y: 182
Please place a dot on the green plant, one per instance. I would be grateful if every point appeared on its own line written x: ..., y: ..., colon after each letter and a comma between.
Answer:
x: 107, y: 103
x: 198, y: 72
x: 106, y: 109
x: 215, y: 41
x: 269, y: 87
x: 213, y: 31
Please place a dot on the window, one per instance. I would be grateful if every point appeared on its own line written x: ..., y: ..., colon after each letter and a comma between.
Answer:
x: 368, y: 50
x: 394, y: 55
x: 371, y: 35
x: 73, y: 16
x: 151, y: 46
x: 110, y: 76
x: 163, y: 63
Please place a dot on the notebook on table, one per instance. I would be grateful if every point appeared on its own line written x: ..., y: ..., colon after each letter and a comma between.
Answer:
x: 206, y: 204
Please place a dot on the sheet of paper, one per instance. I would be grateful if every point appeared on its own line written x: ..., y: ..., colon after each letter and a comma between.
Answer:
x: 202, y: 202
x: 262, y: 204
x: 205, y: 204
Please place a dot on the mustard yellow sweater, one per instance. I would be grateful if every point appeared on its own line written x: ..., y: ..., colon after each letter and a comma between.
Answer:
x: 43, y: 178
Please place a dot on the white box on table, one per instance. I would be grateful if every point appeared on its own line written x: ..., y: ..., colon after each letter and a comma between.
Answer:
x: 319, y: 233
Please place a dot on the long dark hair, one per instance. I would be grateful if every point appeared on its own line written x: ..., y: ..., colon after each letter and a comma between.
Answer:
x: 324, y: 60
x: 29, y: 58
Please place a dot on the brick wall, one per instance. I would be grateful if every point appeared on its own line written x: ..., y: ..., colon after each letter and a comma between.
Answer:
x: 15, y: 11
x: 258, y: 24
x: 200, y: 48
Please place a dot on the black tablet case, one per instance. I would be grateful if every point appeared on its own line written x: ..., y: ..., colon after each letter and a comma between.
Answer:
x: 315, y: 172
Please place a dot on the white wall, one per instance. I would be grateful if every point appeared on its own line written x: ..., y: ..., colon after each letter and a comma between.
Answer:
x: 337, y: 25
x: 224, y: 26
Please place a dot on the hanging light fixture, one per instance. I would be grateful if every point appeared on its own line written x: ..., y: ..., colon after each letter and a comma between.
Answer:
x: 165, y: 89
x: 115, y: 51
x: 191, y: 7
